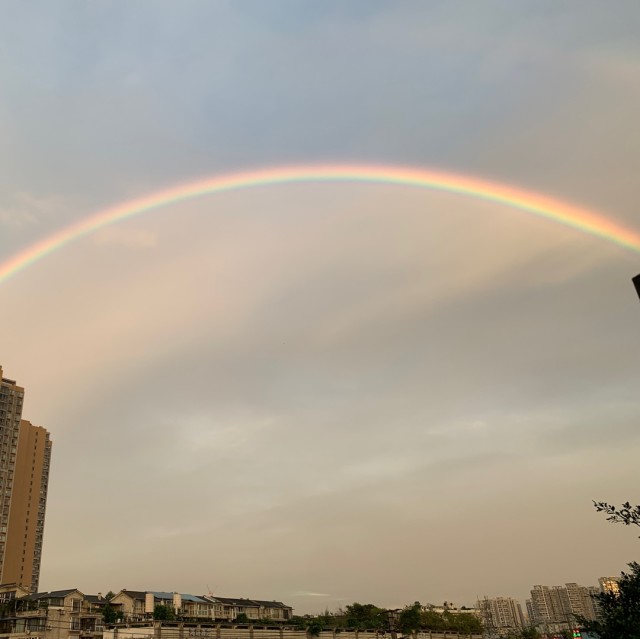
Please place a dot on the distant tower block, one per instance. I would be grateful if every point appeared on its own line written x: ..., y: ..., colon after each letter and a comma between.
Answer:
x: 25, y: 457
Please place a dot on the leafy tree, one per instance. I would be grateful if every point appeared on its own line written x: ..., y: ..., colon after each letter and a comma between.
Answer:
x: 464, y: 623
x: 626, y: 514
x: 161, y: 612
x: 242, y: 618
x: 620, y: 612
x: 314, y: 627
x: 109, y: 614
x: 409, y: 620
x: 298, y: 621
x: 366, y: 617
x: 432, y: 620
x: 110, y: 595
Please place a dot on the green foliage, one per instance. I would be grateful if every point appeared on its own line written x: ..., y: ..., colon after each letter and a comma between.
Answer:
x: 450, y: 621
x: 432, y: 620
x: 620, y: 616
x: 314, y: 627
x: 8, y: 608
x: 109, y: 614
x: 365, y: 617
x: 242, y: 618
x: 410, y: 619
x: 298, y: 621
x: 626, y: 514
x: 161, y: 612
x: 463, y: 622
x: 110, y: 595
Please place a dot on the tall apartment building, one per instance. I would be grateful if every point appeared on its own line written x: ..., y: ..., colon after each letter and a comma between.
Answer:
x: 25, y: 456
x: 560, y: 605
x: 550, y: 604
x: 609, y: 584
x: 501, y: 614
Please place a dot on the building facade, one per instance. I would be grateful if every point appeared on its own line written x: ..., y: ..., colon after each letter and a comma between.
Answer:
x: 136, y: 606
x: 501, y: 615
x: 556, y: 608
x: 60, y: 614
x: 25, y: 457
x: 609, y: 585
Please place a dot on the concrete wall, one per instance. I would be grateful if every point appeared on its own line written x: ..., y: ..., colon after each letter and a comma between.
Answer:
x: 227, y: 631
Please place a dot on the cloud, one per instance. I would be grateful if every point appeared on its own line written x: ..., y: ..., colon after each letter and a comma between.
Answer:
x: 28, y: 209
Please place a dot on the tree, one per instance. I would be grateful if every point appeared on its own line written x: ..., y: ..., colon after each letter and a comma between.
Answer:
x: 620, y: 612
x: 161, y: 612
x: 109, y: 614
x: 366, y: 617
x: 314, y: 628
x: 464, y: 622
x: 432, y: 620
x: 110, y: 595
x: 626, y: 514
x: 242, y: 618
x: 409, y: 620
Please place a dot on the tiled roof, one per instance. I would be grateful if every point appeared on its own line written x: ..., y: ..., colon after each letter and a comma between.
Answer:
x: 54, y: 594
x: 169, y: 596
x: 134, y: 594
x: 271, y: 604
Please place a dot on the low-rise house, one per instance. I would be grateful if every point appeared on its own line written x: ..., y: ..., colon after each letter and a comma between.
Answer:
x: 60, y: 614
x: 274, y: 610
x: 137, y: 606
x: 130, y: 605
x: 230, y: 608
x: 188, y: 607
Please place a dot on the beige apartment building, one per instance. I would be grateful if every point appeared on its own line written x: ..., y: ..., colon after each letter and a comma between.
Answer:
x: 555, y: 608
x: 501, y: 615
x: 25, y: 457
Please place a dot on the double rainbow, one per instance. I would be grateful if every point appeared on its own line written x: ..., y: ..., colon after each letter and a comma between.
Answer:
x: 552, y: 209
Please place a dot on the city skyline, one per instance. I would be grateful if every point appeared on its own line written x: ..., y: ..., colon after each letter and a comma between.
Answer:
x: 332, y: 390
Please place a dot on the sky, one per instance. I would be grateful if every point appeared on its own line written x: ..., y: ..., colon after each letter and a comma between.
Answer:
x: 325, y: 393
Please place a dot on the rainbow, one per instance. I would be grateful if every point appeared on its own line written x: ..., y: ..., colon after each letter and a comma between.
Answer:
x: 533, y: 203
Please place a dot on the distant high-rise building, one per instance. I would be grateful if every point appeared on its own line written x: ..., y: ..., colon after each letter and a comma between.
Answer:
x: 581, y: 602
x: 25, y: 455
x: 530, y: 615
x: 500, y: 614
x: 561, y: 605
x: 550, y: 604
x: 609, y: 584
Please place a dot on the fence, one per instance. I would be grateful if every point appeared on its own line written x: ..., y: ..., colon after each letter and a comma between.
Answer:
x: 231, y: 631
